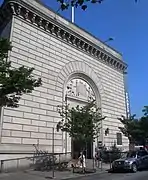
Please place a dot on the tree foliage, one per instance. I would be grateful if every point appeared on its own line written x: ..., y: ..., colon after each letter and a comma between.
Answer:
x: 136, y: 129
x: 143, y: 122
x: 130, y: 128
x: 145, y: 111
x: 14, y: 82
x: 81, y: 123
x: 64, y: 4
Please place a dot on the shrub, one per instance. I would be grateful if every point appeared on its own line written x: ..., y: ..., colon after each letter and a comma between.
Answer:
x: 110, y: 155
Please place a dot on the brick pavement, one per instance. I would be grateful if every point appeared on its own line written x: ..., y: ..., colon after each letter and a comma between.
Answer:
x: 38, y: 175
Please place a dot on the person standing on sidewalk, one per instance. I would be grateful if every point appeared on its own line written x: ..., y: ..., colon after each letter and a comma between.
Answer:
x: 97, y: 159
x: 82, y: 160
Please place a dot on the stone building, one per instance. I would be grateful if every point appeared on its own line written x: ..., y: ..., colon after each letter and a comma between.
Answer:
x: 74, y: 67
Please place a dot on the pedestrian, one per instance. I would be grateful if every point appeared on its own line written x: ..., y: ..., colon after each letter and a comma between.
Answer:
x: 82, y: 160
x: 97, y: 159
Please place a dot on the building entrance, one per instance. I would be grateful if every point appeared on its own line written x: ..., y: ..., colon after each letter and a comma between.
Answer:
x: 79, y: 92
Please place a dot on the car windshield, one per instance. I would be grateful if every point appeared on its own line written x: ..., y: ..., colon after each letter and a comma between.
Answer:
x: 131, y: 154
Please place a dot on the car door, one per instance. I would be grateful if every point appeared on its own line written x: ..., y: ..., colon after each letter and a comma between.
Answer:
x: 139, y: 159
x: 145, y: 159
x: 142, y: 159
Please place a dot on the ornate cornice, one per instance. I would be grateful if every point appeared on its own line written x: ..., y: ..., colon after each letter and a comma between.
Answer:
x: 34, y: 16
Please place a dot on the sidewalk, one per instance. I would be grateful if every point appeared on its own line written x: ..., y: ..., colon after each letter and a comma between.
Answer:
x: 38, y: 175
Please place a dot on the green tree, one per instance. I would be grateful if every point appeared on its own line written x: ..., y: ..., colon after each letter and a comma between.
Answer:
x: 143, y: 123
x: 145, y: 111
x: 14, y: 82
x: 136, y: 129
x: 81, y: 123
x: 64, y: 4
x: 130, y: 129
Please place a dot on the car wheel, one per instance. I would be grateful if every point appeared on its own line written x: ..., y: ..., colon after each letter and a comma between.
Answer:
x: 134, y: 168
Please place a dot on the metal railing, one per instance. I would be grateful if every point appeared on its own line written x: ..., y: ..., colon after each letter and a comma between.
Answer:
x: 42, y: 160
x: 32, y: 160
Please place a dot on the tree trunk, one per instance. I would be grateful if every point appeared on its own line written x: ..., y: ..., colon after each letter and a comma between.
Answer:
x: 86, y: 150
x: 131, y: 146
x: 144, y: 142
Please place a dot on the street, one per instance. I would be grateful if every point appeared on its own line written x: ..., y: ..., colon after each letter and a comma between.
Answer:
x: 143, y: 175
x: 118, y: 176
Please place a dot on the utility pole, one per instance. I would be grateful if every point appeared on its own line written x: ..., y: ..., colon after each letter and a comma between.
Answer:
x: 53, y: 153
x: 66, y: 121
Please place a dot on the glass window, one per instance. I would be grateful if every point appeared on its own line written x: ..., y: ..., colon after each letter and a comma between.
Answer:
x: 142, y: 153
x: 119, y: 139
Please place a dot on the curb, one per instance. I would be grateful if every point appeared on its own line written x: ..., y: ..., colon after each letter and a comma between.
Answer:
x: 85, y: 175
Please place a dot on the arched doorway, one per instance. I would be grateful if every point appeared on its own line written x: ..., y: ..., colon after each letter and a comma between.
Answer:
x: 80, y: 70
x: 79, y: 92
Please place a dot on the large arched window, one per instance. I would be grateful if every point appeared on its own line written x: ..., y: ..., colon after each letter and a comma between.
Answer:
x: 80, y: 90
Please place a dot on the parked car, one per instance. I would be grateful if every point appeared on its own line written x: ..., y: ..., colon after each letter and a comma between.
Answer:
x: 134, y: 161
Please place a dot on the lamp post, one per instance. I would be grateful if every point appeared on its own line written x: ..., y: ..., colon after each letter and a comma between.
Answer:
x: 53, y: 176
x: 66, y: 121
x: 109, y: 39
x: 60, y: 109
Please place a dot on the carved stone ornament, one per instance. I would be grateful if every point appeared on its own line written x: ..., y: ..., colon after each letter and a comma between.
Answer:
x: 78, y: 88
x: 31, y: 14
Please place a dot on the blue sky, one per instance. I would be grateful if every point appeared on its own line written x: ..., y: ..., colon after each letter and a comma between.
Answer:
x: 126, y: 21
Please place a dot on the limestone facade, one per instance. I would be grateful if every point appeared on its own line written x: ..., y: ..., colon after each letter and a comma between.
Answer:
x: 60, y: 52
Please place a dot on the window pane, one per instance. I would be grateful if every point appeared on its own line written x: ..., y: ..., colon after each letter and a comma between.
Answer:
x: 119, y: 139
x: 142, y: 153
